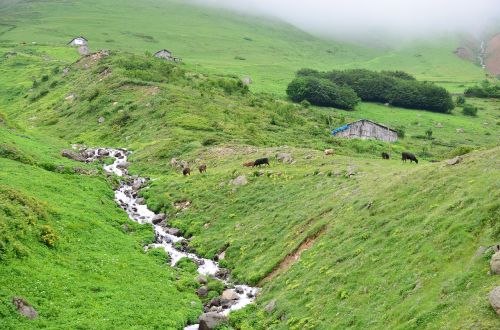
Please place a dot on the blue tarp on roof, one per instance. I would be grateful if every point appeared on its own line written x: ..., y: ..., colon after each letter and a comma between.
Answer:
x: 340, y: 129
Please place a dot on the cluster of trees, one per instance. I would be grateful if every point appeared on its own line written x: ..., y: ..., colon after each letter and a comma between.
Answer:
x: 347, y: 87
x: 485, y: 90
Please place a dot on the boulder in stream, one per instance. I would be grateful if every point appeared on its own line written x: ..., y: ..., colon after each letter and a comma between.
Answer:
x: 229, y: 295
x: 158, y: 218
x: 211, y: 320
x: 73, y: 155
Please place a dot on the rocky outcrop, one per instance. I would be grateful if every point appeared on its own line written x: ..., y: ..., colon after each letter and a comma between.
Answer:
x: 239, y: 181
x: 454, y: 161
x: 24, y: 308
x: 73, y: 155
x: 158, y: 218
x: 284, y: 158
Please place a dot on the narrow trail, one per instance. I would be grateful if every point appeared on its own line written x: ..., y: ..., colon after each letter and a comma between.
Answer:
x: 127, y: 198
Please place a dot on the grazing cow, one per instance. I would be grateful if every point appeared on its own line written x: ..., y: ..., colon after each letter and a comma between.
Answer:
x: 248, y: 164
x: 186, y: 171
x: 261, y: 161
x: 385, y: 155
x: 202, y: 168
x: 406, y: 155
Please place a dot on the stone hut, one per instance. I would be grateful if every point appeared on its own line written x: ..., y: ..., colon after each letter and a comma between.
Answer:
x: 166, y: 55
x: 78, y: 42
x: 366, y: 129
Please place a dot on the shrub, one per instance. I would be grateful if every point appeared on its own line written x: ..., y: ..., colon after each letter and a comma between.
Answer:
x: 48, y: 236
x: 485, y: 90
x: 322, y: 92
x: 469, y: 110
x: 461, y: 150
x: 428, y: 133
x: 460, y: 100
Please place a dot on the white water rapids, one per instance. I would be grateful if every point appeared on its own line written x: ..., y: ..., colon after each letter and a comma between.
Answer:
x: 482, y: 53
x: 127, y: 198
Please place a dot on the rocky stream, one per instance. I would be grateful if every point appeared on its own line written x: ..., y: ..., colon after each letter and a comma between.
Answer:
x: 234, y: 297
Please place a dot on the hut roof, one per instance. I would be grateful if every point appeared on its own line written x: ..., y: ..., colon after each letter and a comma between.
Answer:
x: 80, y: 37
x: 163, y: 50
x: 343, y: 128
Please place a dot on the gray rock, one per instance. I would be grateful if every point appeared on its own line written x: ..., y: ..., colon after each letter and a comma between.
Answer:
x: 495, y: 299
x: 140, y: 201
x: 284, y: 158
x: 123, y: 165
x: 72, y: 155
x: 211, y: 320
x: 454, y: 161
x: 24, y: 308
x: 202, y: 291
x: 158, y: 218
x: 239, y: 181
x: 270, y: 306
x: 173, y: 231
x: 229, y: 295
x: 101, y: 120
x: 103, y: 152
x: 202, y: 279
x: 495, y: 264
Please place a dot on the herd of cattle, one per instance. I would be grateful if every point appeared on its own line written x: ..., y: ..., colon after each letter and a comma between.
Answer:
x: 265, y: 161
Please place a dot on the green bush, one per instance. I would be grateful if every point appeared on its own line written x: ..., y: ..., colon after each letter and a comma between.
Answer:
x: 322, y: 92
x: 469, y: 110
x: 460, y: 100
x: 48, y: 236
x: 461, y: 150
x: 485, y: 90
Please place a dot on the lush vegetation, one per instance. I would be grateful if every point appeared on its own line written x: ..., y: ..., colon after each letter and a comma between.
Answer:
x: 389, y: 245
x: 322, y: 92
x: 486, y: 89
x: 396, y: 88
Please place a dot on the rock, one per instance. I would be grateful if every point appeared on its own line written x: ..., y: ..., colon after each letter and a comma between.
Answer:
x: 454, y: 161
x: 328, y: 152
x: 386, y: 104
x: 123, y: 165
x: 229, y: 295
x: 439, y: 125
x: 73, y: 155
x: 174, y: 162
x: 222, y: 273
x: 202, y: 291
x: 239, y: 290
x: 239, y: 181
x: 140, y: 201
x: 202, y: 279
x: 83, y: 50
x: 211, y: 320
x: 270, y: 306
x: 24, y: 308
x: 459, y: 130
x: 70, y: 97
x: 495, y: 264
x: 173, y: 231
x: 103, y: 152
x: 214, y: 302
x: 101, y: 120
x: 495, y: 299
x: 158, y: 218
x: 137, y: 186
x: 284, y: 158
x: 246, y: 80
x: 182, y: 205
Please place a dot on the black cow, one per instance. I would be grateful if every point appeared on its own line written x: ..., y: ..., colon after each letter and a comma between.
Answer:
x: 406, y: 155
x: 385, y: 155
x: 261, y: 161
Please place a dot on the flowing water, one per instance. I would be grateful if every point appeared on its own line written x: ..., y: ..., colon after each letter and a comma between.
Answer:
x: 481, y: 55
x: 127, y: 198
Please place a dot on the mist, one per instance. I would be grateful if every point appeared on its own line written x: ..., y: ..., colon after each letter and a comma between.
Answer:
x: 374, y: 19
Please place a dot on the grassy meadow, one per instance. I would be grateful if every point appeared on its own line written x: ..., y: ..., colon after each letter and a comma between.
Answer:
x: 224, y: 42
x: 341, y: 241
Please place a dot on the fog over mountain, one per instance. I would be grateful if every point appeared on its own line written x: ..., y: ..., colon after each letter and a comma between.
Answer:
x: 366, y: 19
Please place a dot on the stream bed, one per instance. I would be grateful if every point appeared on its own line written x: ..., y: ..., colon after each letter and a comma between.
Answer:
x: 127, y: 198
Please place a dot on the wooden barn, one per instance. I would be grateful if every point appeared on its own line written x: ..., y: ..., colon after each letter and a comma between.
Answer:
x: 166, y: 55
x: 366, y: 129
x: 78, y: 41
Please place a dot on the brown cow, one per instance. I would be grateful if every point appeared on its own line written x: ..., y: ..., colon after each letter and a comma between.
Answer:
x: 202, y: 168
x: 248, y: 164
x: 186, y: 171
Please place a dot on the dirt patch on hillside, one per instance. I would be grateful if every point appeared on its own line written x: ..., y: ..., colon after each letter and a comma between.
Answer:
x: 492, y: 60
x: 293, y: 257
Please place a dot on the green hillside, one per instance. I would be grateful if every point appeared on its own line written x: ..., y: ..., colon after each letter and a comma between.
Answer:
x: 216, y: 41
x: 342, y: 241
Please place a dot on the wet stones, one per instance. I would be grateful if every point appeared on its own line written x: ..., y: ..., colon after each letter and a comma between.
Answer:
x: 211, y: 320
x: 159, y: 218
x: 24, y: 308
x: 495, y: 264
x: 229, y: 295
x: 222, y: 274
x: 202, y: 291
x: 202, y: 279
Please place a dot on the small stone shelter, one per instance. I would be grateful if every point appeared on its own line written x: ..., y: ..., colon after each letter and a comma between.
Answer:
x: 78, y: 42
x: 366, y: 129
x: 166, y: 55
